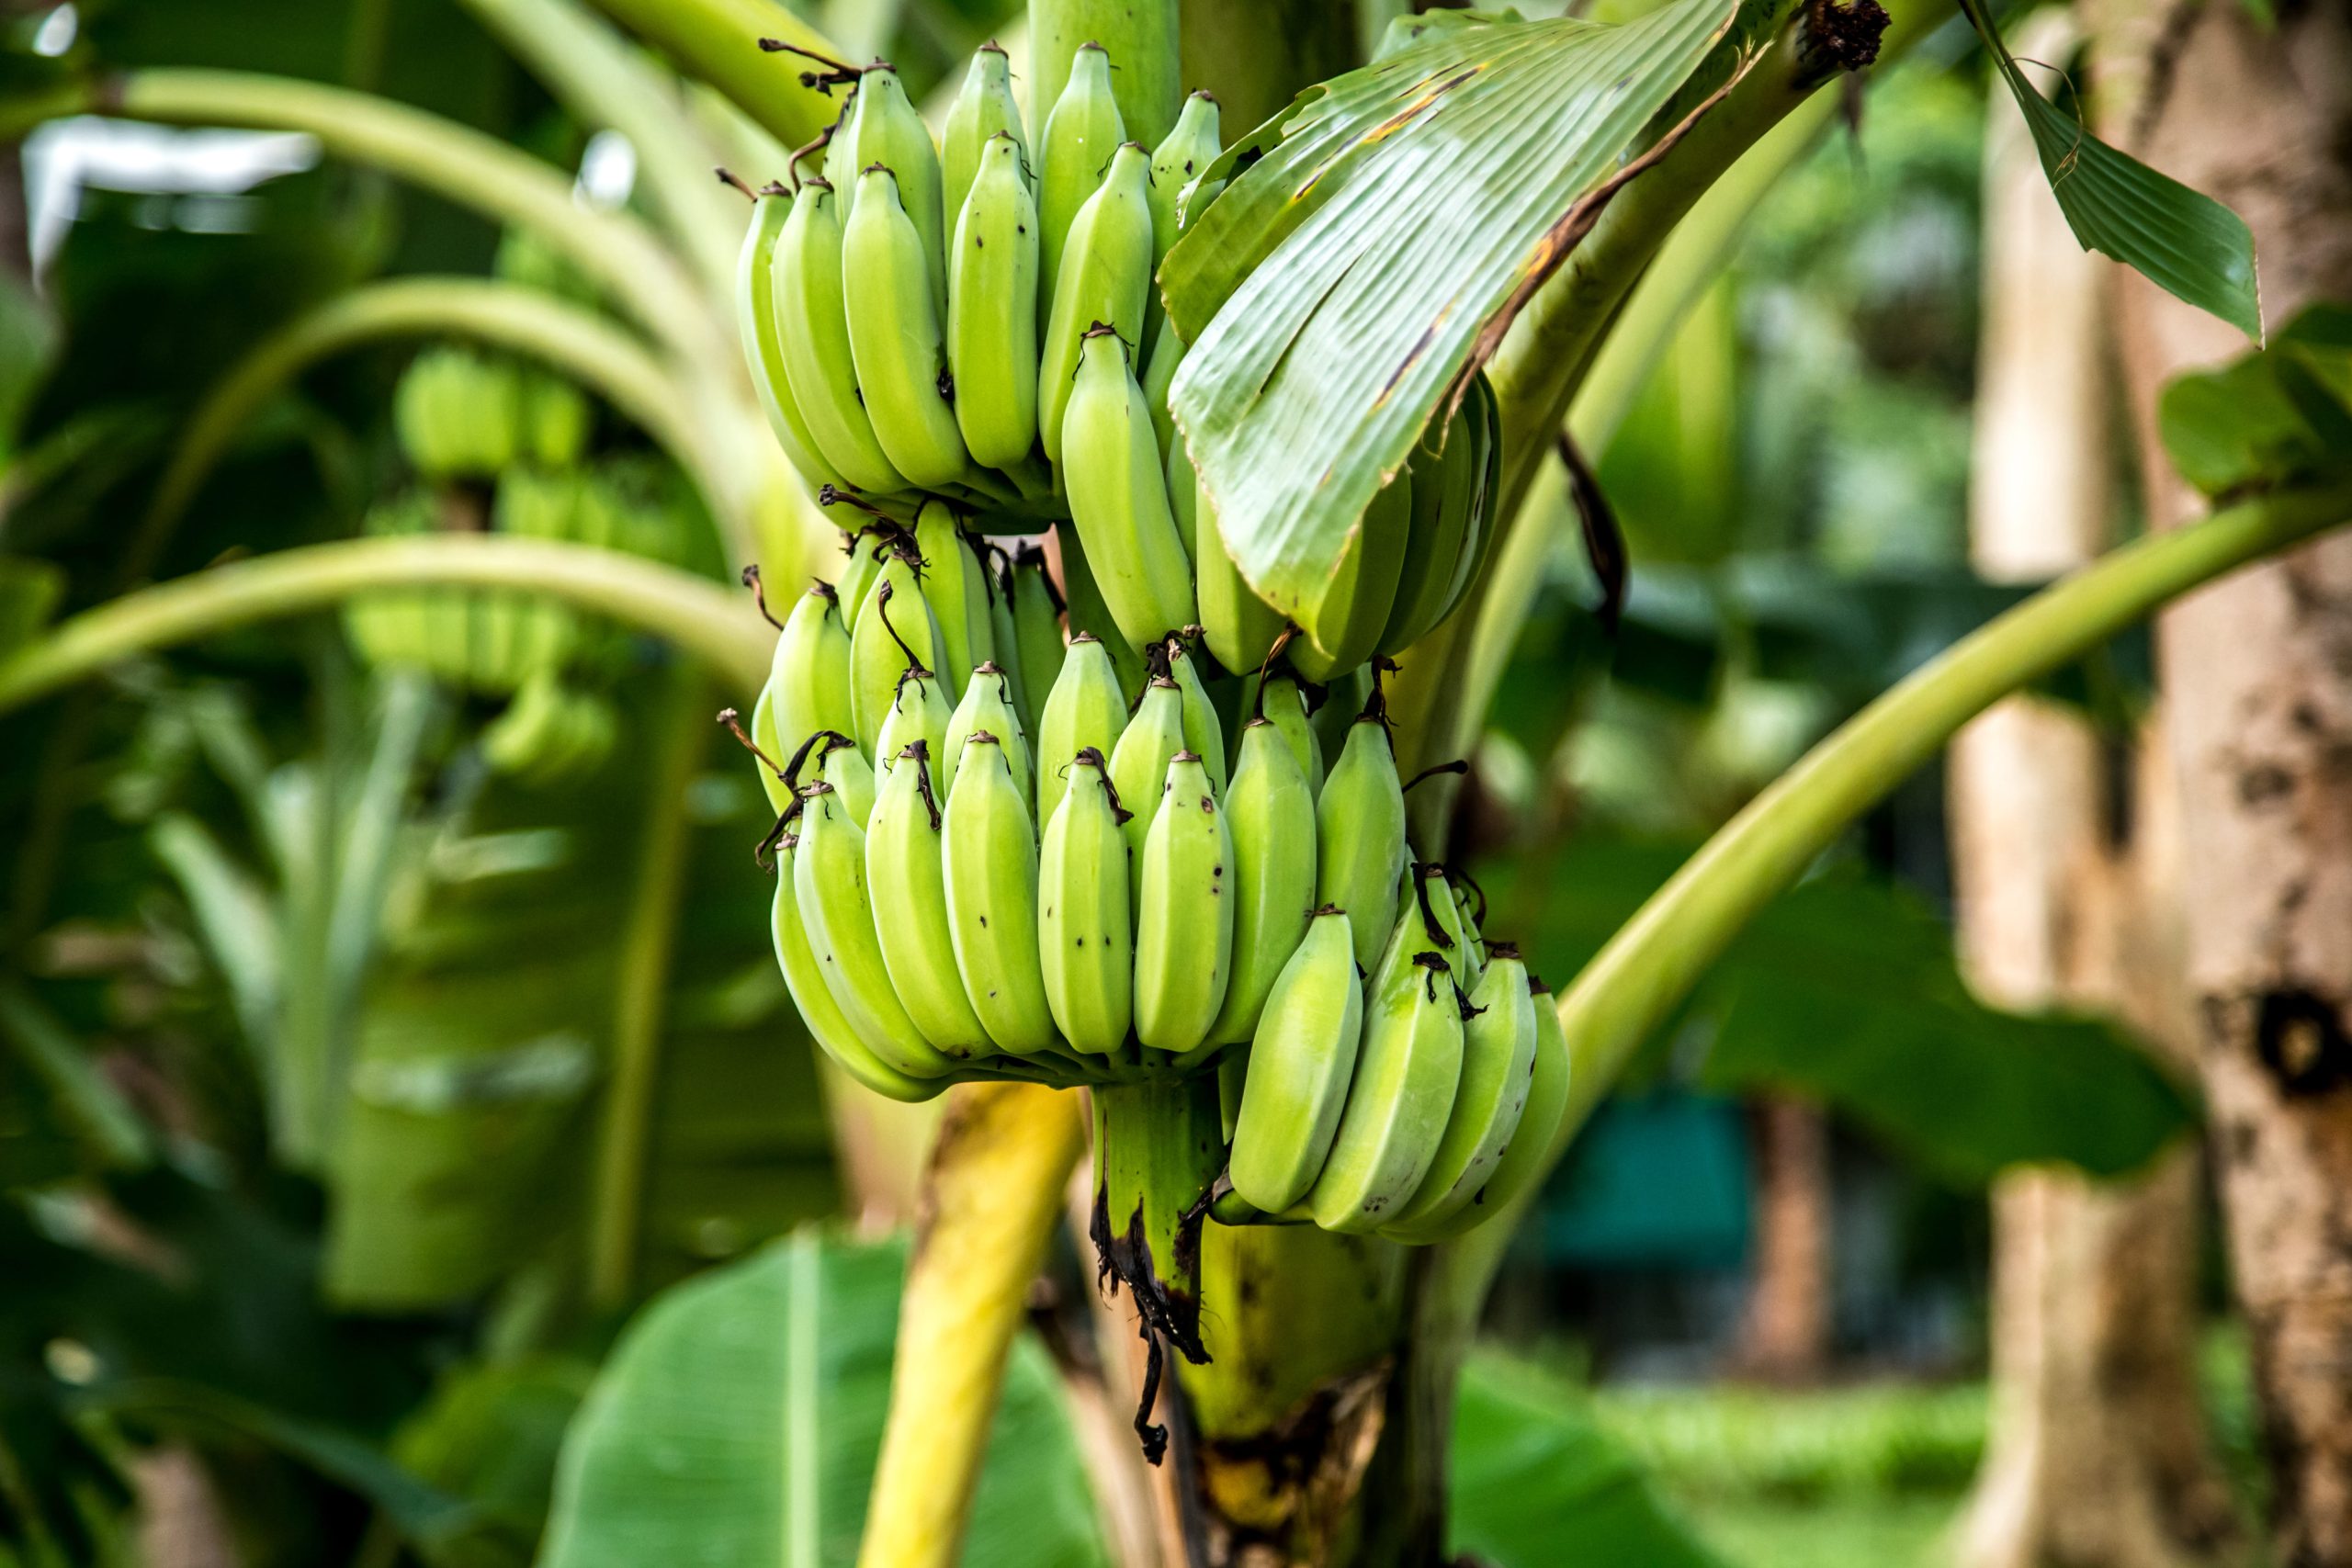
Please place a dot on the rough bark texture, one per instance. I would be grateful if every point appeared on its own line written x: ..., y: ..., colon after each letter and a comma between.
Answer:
x: 2097, y: 1456
x: 1785, y: 1336
x: 2257, y: 682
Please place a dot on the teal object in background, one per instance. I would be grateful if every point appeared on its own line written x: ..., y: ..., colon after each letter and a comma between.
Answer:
x: 1657, y: 1180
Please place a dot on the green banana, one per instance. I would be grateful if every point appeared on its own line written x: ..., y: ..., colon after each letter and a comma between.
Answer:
x: 1153, y: 736
x: 1118, y: 497
x: 835, y: 759
x: 1272, y: 819
x: 864, y: 550
x: 1088, y: 613
x: 1445, y: 483
x: 755, y: 318
x: 1184, y: 932
x: 812, y: 333
x: 894, y: 632
x: 992, y: 310
x: 1085, y: 710
x: 1428, y: 920
x: 918, y: 713
x: 1360, y: 834
x: 1176, y: 162
x: 1240, y: 628
x: 841, y: 162
x: 1498, y: 1067
x: 894, y: 335
x: 804, y: 978
x: 1280, y: 699
x: 990, y: 854
x: 988, y: 706
x: 984, y: 109
x: 907, y: 877
x: 889, y: 133
x: 1354, y: 611
x: 557, y: 419
x: 807, y: 687
x: 1160, y: 364
x: 829, y: 883
x: 1528, y: 1153
x: 1037, y: 631
x: 1407, y: 1067
x: 1080, y: 132
x: 1204, y: 730
x: 998, y: 578
x: 1145, y: 57
x: 955, y: 584
x: 1301, y: 1061
x: 1105, y: 280
x: 1084, y: 939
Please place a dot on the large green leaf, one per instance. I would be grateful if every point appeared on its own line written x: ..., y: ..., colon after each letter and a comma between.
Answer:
x: 2280, y: 415
x: 2182, y: 241
x: 1334, y: 294
x: 737, y: 1421
x: 1535, y: 1482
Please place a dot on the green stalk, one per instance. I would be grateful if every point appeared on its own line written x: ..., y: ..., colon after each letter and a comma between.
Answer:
x: 648, y: 945
x: 605, y: 80
x: 1654, y: 960
x: 718, y: 40
x: 581, y: 344
x: 471, y: 169
x: 693, y: 614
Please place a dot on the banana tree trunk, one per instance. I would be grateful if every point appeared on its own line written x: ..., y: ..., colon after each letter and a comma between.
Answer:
x: 2258, y: 690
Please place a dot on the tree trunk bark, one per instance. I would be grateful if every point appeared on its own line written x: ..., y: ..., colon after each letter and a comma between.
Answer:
x: 2258, y: 683
x: 1784, y: 1337
x: 2097, y: 1456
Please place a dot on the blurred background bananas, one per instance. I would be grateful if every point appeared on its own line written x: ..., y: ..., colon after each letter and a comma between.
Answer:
x: 1055, y: 808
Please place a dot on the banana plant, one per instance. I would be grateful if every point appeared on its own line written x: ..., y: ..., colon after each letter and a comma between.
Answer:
x: 1497, y: 215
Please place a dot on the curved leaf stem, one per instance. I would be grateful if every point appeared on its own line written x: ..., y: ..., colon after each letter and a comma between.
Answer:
x: 695, y: 614
x: 578, y: 343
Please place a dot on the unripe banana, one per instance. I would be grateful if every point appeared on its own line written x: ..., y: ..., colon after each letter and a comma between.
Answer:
x: 895, y: 631
x: 841, y: 162
x: 1497, y: 1069
x: 1176, y: 162
x: 918, y: 712
x: 831, y: 1027
x: 1104, y: 280
x: 807, y: 687
x: 862, y: 564
x: 1407, y: 1069
x: 1444, y: 492
x: 894, y: 335
x: 1360, y: 833
x: 1118, y: 498
x: 1037, y: 631
x: 1084, y: 941
x: 1272, y: 819
x: 955, y: 583
x: 812, y: 333
x: 907, y: 877
x: 829, y: 881
x: 1088, y: 613
x: 1527, y: 1154
x: 1301, y: 1061
x: 992, y: 310
x: 889, y: 133
x: 1240, y: 628
x: 1080, y: 133
x: 755, y: 319
x: 1154, y: 735
x: 557, y: 418
x: 990, y: 854
x: 1184, y: 932
x: 1085, y: 710
x: 998, y: 577
x: 1428, y: 920
x: 988, y: 706
x: 1347, y: 625
x: 1204, y: 729
x: 835, y: 759
x: 984, y: 108
x: 1160, y: 364
x: 1280, y: 699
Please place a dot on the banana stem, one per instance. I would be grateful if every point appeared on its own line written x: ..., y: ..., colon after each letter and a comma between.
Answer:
x: 601, y: 356
x: 991, y: 1199
x: 473, y: 170
x: 693, y: 614
x: 718, y: 40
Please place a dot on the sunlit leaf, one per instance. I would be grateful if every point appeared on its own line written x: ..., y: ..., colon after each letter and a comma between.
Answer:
x: 1334, y: 294
x: 2277, y: 416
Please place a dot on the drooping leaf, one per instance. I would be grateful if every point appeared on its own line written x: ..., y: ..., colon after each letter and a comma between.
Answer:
x: 737, y: 1421
x: 1536, y: 1481
x: 2180, y: 239
x: 1335, y: 292
x: 2279, y: 415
